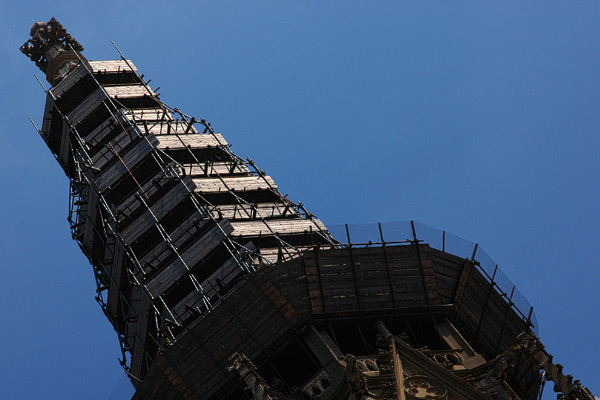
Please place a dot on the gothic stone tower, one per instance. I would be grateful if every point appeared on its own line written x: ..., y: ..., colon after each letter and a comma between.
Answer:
x: 219, y: 287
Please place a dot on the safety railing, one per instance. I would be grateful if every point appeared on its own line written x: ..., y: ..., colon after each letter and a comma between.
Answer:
x: 410, y: 232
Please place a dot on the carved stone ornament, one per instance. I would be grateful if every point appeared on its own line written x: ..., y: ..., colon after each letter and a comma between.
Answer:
x: 45, y: 36
x: 47, y: 41
x: 424, y: 387
x: 354, y: 376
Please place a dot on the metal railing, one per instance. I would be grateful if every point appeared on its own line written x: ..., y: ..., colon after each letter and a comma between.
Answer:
x: 408, y: 232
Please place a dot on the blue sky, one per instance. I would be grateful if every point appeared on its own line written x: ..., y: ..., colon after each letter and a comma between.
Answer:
x: 477, y: 118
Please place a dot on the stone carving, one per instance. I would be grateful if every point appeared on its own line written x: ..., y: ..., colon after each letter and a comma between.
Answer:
x: 318, y: 384
x: 44, y: 37
x: 569, y: 388
x: 448, y: 359
x: 255, y: 384
x: 424, y: 387
x: 385, y: 362
x: 354, y: 376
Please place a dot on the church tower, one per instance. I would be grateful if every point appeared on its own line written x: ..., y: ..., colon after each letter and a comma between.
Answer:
x: 219, y: 287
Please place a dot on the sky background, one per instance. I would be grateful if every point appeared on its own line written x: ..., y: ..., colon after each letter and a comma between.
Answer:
x: 480, y: 118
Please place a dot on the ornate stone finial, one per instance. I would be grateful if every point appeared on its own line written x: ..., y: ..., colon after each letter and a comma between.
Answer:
x: 52, y: 49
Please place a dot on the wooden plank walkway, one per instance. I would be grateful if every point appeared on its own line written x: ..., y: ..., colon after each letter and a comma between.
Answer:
x: 288, y: 226
x: 238, y: 184
x: 268, y: 210
x: 112, y: 66
x: 209, y: 168
x: 194, y: 141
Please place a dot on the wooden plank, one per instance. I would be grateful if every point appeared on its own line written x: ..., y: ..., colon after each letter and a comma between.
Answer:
x: 372, y: 279
x: 98, y: 133
x: 397, y: 271
x: 194, y: 253
x: 47, y: 121
x: 158, y: 210
x: 116, y: 271
x: 122, y: 139
x: 246, y: 211
x: 313, y: 281
x: 97, y: 67
x: 86, y: 106
x: 72, y: 77
x: 141, y: 329
x: 294, y: 286
x: 81, y: 70
x: 270, y: 254
x: 118, y: 144
x: 128, y: 91
x: 168, y: 127
x: 90, y: 220
x: 64, y: 152
x: 274, y: 254
x: 131, y: 204
x: 148, y: 114
x: 449, y: 272
x: 91, y: 102
x: 127, y: 162
x: 227, y: 272
x: 214, y: 168
x: 238, y: 184
x: 279, y: 226
x: 375, y: 299
x: 180, y: 141
x: 335, y: 281
x: 160, y: 253
x: 112, y: 66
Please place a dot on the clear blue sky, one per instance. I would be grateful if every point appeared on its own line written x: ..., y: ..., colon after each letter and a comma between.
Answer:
x: 479, y: 118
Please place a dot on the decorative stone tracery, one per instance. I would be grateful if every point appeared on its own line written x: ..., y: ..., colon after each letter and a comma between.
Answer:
x: 424, y: 387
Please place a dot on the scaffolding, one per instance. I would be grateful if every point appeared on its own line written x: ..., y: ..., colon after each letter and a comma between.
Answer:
x: 179, y: 229
x: 133, y: 283
x: 412, y: 232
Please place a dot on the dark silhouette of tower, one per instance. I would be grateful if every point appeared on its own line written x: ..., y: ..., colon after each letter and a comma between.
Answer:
x: 219, y: 287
